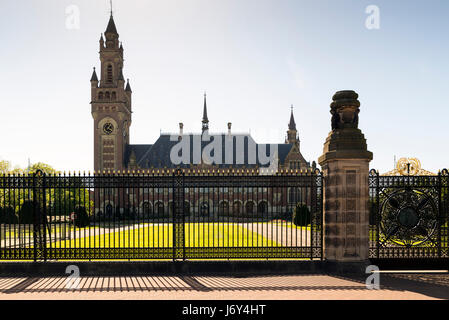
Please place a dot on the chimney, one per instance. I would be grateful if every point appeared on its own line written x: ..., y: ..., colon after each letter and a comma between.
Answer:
x: 229, y: 128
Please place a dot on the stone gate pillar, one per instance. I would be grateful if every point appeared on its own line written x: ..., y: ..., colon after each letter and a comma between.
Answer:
x: 345, y: 165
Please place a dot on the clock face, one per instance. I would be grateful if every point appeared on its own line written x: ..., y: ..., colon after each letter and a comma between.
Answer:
x: 108, y: 128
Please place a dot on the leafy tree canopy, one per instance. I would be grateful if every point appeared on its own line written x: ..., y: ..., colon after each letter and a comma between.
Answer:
x: 5, y: 168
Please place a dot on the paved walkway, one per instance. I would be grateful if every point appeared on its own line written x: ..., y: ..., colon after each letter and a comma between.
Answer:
x: 281, y: 233
x: 310, y: 287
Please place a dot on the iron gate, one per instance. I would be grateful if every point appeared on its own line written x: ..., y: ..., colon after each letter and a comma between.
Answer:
x: 162, y: 214
x: 409, y: 216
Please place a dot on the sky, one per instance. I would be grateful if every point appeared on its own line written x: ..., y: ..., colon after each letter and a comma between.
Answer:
x: 254, y: 58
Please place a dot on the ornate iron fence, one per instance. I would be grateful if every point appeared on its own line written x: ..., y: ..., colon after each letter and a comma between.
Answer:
x: 166, y: 214
x: 409, y: 216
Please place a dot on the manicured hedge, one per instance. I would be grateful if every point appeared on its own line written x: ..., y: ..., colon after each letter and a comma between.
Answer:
x: 301, y: 215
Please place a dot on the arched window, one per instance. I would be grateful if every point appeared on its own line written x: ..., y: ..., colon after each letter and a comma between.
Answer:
x: 109, y: 74
x: 146, y: 208
x: 107, y: 95
x: 236, y: 207
x: 100, y: 96
x: 204, y: 209
x: 223, y: 207
x: 114, y: 95
x: 250, y: 207
x: 160, y: 208
x: 108, y: 209
x: 262, y: 207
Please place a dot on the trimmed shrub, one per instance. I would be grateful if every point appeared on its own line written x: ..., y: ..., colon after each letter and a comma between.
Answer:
x: 99, y: 216
x: 8, y: 216
x: 287, y: 215
x: 81, y: 217
x: 129, y: 214
x: 117, y: 214
x: 301, y: 215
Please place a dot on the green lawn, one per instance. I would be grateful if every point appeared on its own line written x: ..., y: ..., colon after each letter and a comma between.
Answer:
x: 157, y: 236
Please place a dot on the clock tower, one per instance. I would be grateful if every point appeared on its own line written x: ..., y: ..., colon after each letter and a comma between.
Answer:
x: 111, y: 104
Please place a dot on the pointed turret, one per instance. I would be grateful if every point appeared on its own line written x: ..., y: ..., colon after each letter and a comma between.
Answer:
x: 94, y: 77
x: 205, y: 119
x: 128, y: 87
x: 132, y: 160
x: 93, y: 85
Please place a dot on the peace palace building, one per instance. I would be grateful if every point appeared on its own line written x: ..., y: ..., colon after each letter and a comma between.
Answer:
x: 111, y: 103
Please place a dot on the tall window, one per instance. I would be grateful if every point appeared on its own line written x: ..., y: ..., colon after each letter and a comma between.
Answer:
x: 146, y: 208
x: 160, y: 208
x: 294, y: 195
x: 295, y: 165
x: 236, y: 207
x: 109, y: 74
x: 262, y: 207
x: 250, y: 207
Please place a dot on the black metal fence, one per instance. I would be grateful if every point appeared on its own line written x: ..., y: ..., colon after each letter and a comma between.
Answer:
x: 409, y: 216
x: 166, y: 214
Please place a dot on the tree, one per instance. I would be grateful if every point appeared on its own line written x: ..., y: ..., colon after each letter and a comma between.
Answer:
x: 58, y: 201
x: 45, y: 168
x: 8, y: 216
x: 5, y: 167
x: 81, y: 218
x: 26, y: 213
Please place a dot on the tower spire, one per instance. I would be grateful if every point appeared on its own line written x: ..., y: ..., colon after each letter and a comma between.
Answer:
x: 292, y: 124
x: 111, y: 6
x: 292, y: 133
x: 205, y: 119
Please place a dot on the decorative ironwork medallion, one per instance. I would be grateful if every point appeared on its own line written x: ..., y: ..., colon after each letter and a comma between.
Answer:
x: 409, y: 217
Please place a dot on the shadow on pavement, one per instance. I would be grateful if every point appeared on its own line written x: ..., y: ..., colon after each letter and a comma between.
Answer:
x: 432, y: 285
x: 428, y: 284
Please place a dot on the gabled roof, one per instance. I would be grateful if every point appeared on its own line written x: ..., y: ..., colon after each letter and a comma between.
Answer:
x: 158, y: 154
